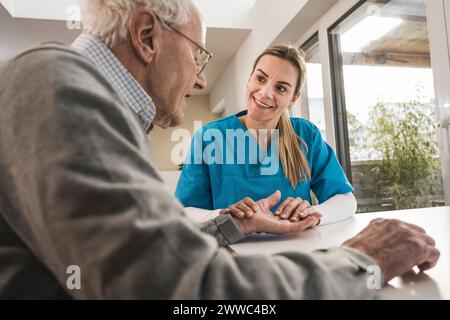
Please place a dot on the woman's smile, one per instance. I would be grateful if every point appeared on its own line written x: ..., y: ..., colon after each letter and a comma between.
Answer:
x: 262, y: 105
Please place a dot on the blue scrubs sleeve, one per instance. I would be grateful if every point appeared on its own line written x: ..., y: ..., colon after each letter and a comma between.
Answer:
x: 327, y: 176
x: 194, y: 185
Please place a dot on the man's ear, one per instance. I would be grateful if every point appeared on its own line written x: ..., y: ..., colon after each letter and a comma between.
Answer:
x: 143, y: 27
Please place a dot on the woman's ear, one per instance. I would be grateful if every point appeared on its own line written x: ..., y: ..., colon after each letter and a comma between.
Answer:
x: 294, y: 99
x: 143, y: 28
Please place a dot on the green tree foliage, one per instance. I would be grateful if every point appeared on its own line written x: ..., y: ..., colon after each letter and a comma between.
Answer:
x: 404, y: 135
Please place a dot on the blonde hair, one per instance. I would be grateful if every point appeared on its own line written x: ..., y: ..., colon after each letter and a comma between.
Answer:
x: 293, y: 159
x: 107, y: 20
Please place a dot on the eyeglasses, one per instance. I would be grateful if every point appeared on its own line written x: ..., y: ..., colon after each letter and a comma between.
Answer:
x: 205, y: 55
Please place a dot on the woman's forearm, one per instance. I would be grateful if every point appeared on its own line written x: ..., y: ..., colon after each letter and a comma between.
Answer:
x: 337, y: 208
x: 199, y: 215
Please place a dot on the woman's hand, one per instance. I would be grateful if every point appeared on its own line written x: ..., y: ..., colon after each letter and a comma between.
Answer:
x: 295, y: 209
x: 241, y: 209
x: 268, y: 223
x: 265, y: 221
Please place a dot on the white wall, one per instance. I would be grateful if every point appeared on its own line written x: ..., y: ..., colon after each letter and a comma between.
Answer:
x: 226, y: 14
x: 160, y: 139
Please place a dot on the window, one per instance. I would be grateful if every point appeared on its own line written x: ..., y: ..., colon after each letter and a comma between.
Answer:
x: 384, y: 105
x: 313, y: 100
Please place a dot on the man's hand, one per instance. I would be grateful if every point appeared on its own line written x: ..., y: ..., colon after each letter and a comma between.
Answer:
x: 264, y: 221
x: 396, y: 246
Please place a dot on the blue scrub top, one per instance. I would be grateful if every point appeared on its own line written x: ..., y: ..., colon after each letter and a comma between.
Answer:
x: 210, y: 182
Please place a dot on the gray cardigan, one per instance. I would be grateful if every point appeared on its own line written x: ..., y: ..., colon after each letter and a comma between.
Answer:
x: 78, y: 188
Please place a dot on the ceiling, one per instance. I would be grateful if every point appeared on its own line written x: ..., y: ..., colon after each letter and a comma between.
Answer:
x: 407, y: 44
x: 17, y: 34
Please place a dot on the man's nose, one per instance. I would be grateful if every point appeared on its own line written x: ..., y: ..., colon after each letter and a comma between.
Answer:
x: 200, y: 82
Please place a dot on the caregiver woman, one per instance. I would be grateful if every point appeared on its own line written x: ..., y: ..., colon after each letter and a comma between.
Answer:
x: 307, y: 162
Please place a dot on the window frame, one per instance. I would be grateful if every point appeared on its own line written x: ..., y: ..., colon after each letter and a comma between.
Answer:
x: 438, y: 21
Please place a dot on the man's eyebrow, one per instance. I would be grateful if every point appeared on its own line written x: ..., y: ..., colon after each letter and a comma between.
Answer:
x: 280, y: 82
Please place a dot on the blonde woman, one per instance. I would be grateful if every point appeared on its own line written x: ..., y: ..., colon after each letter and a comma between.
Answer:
x: 218, y: 180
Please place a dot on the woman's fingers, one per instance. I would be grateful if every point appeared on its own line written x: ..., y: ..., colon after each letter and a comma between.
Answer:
x: 236, y: 212
x: 244, y: 208
x: 283, y: 205
x: 318, y: 217
x: 308, y: 222
x: 252, y: 205
x: 302, y: 207
x: 289, y: 207
x: 301, y: 212
x: 295, y: 207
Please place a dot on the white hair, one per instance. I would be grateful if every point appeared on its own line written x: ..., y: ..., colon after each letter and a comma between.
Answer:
x: 107, y: 20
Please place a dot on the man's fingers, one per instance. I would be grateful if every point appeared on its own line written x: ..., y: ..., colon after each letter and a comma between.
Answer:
x: 397, y: 246
x: 266, y: 203
x: 418, y: 234
x: 412, y: 277
x: 415, y: 227
x: 429, y: 240
x: 431, y: 261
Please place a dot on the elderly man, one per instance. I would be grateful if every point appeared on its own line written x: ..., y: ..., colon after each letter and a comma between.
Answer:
x: 79, y: 192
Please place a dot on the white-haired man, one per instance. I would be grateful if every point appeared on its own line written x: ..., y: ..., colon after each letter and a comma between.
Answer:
x: 79, y: 191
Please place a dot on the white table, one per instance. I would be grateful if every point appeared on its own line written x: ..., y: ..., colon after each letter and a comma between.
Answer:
x: 434, y: 284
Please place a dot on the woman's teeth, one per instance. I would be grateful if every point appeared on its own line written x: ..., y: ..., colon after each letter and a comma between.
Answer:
x: 262, y: 105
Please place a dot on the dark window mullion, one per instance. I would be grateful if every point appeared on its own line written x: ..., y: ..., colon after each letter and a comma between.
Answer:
x: 339, y: 106
x: 338, y: 99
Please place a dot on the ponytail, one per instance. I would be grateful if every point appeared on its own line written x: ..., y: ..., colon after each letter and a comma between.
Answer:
x: 293, y: 159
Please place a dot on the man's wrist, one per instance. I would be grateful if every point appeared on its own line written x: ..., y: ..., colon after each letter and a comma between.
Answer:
x: 229, y: 228
x: 363, y: 252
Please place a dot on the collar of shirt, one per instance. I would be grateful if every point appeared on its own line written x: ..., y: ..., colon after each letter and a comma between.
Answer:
x: 127, y: 87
